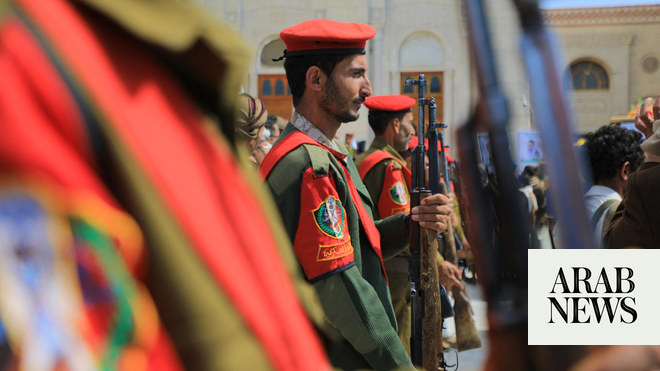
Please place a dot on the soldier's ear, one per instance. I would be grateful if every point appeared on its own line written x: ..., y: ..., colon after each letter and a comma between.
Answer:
x: 315, y: 78
x: 396, y: 125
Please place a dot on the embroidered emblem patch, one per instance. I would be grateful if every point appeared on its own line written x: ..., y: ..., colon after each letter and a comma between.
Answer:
x: 398, y: 194
x: 330, y: 217
x: 329, y: 252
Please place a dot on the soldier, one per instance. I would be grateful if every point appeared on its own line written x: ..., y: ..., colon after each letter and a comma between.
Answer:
x: 387, y: 179
x: 128, y: 227
x: 324, y: 205
x: 383, y: 171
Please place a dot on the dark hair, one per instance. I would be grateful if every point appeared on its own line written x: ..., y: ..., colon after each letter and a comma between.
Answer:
x: 271, y: 121
x: 610, y: 147
x: 296, y: 70
x: 378, y: 120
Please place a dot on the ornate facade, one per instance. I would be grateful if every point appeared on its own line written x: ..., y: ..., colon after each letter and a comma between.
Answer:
x: 429, y: 36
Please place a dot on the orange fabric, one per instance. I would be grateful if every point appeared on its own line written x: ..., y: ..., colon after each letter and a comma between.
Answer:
x: 394, y: 197
x: 378, y: 156
x: 322, y: 242
x: 151, y: 113
x: 43, y: 142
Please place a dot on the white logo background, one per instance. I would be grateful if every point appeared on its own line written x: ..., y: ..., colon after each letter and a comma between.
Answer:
x: 543, y: 269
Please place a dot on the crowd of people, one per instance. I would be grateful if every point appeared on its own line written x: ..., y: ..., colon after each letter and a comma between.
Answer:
x: 151, y: 217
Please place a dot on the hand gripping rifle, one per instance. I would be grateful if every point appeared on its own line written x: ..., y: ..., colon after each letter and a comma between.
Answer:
x: 426, y: 321
x: 467, y: 336
x: 495, y: 216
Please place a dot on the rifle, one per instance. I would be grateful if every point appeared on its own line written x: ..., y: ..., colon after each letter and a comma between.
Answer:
x: 495, y: 216
x: 426, y: 321
x: 467, y: 336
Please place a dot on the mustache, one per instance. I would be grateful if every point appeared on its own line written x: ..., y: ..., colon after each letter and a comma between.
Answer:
x: 359, y: 99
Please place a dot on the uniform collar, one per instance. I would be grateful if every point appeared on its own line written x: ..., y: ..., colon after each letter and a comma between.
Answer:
x: 301, y: 123
x: 382, y: 145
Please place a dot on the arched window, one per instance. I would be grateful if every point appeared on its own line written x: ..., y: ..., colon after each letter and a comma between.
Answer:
x: 266, y: 88
x: 435, y: 85
x: 587, y: 75
x: 279, y: 87
x: 273, y: 50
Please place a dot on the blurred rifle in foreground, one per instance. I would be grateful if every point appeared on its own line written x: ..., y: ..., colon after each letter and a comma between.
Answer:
x: 495, y: 216
x: 467, y: 336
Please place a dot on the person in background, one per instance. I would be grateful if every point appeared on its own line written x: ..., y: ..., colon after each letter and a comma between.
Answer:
x: 250, y: 124
x: 129, y: 225
x: 614, y: 153
x: 324, y: 205
x: 540, y: 230
x: 261, y: 151
x: 635, y: 222
x: 274, y: 125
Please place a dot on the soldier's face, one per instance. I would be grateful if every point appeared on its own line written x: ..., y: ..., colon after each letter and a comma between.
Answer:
x: 346, y: 89
x: 406, y: 131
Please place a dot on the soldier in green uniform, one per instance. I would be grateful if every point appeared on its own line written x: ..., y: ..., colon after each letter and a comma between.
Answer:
x: 383, y: 171
x: 387, y: 179
x: 326, y: 208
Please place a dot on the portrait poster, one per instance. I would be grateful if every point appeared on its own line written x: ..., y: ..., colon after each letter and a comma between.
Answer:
x: 529, y: 149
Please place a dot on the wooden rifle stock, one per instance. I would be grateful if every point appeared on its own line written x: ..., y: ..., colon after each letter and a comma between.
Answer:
x: 426, y: 337
x: 467, y: 336
x: 427, y: 349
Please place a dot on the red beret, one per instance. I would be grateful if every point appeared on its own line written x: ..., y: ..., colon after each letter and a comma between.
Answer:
x: 414, y: 141
x: 394, y: 102
x: 323, y: 36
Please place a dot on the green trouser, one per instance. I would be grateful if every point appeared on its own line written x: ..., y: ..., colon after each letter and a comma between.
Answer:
x: 400, y: 292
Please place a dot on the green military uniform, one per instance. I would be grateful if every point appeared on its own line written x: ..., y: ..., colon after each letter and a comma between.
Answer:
x: 350, y: 281
x: 397, y: 266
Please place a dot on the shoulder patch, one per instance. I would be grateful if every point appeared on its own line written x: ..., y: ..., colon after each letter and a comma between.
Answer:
x: 399, y: 193
x: 322, y: 243
x: 330, y: 217
x: 394, y: 197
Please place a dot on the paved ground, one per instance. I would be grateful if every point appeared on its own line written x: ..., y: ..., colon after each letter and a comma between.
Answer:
x: 473, y: 360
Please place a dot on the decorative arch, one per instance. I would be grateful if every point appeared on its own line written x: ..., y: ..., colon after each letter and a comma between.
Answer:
x: 272, y: 84
x: 588, y: 75
x: 423, y: 53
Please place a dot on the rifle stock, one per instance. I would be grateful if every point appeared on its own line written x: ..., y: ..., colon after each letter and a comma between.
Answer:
x: 426, y: 337
x: 467, y: 336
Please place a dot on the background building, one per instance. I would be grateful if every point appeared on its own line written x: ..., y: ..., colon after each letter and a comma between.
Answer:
x: 610, y: 54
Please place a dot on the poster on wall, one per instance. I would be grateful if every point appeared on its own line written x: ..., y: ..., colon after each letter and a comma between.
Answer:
x: 529, y: 149
x: 484, y: 151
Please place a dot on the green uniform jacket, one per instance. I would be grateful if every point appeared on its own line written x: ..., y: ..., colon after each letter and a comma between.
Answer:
x: 354, y: 296
x: 373, y: 180
x: 397, y: 269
